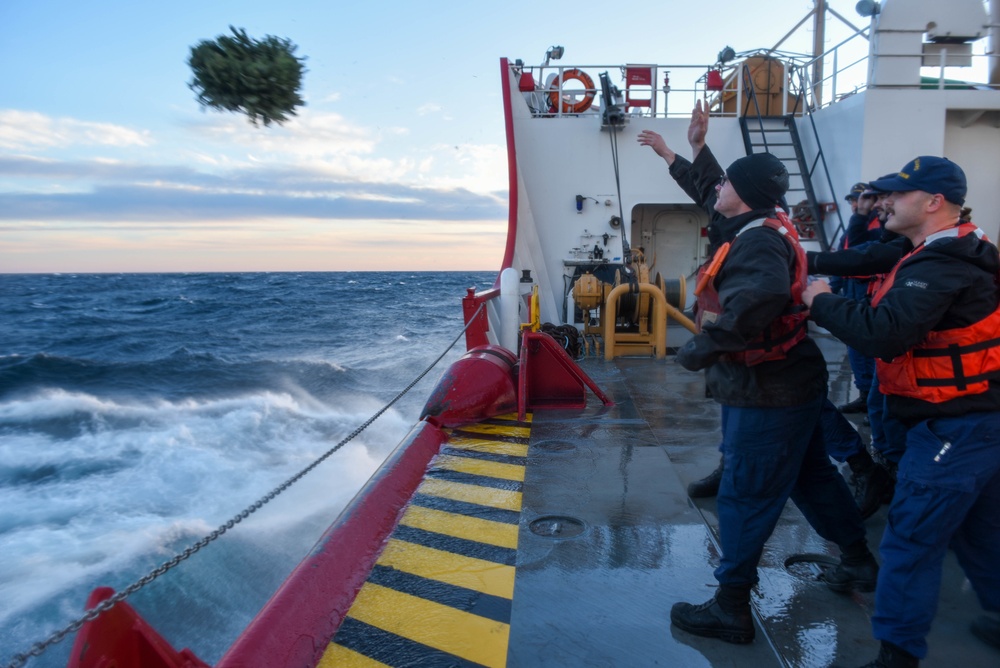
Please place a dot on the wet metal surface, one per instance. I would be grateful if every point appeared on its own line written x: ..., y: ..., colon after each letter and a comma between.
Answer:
x: 566, y: 540
x: 603, y: 597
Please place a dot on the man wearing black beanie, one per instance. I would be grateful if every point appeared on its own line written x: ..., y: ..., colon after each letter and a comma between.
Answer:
x: 771, y: 380
x: 760, y: 180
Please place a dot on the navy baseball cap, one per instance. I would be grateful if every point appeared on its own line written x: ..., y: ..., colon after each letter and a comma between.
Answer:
x: 872, y: 190
x: 856, y: 190
x: 928, y: 173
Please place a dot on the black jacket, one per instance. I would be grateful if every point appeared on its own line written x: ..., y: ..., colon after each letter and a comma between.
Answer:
x: 858, y: 232
x: 950, y: 283
x: 871, y: 258
x: 754, y: 288
x: 698, y: 180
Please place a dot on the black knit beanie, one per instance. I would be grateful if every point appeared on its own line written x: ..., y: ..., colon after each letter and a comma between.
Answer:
x: 760, y: 180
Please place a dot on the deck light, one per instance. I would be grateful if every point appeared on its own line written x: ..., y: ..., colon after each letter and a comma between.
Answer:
x: 554, y: 53
x: 867, y: 8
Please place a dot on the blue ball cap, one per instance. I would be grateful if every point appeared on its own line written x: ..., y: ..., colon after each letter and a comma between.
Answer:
x: 856, y: 190
x: 928, y: 173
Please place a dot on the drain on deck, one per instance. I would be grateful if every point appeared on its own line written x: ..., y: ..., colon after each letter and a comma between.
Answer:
x: 809, y: 566
x: 557, y: 526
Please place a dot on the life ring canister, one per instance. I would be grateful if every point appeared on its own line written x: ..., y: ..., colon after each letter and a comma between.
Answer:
x: 584, y: 103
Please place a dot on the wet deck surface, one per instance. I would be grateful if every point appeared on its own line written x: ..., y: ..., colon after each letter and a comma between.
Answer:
x: 617, y: 541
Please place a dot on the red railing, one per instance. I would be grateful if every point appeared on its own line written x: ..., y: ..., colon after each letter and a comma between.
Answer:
x: 475, y: 317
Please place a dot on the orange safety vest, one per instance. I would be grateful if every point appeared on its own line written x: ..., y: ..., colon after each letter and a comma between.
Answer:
x: 786, y: 330
x: 949, y: 363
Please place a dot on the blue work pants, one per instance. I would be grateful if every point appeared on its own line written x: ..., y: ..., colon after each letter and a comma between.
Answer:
x: 862, y: 367
x: 840, y: 438
x: 771, y: 455
x: 888, y: 433
x: 947, y: 494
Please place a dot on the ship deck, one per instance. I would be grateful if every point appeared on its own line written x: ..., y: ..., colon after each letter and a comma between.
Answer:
x: 565, y: 540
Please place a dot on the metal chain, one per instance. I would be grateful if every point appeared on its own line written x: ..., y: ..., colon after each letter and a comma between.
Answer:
x: 19, y: 660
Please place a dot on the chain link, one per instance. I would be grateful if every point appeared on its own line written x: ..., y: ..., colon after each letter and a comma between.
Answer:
x: 19, y: 660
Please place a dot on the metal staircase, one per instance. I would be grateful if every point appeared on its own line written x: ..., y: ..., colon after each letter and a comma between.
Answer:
x: 779, y: 136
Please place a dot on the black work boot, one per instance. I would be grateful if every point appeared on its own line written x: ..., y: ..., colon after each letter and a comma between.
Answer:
x: 857, y: 570
x: 709, y: 485
x: 871, y: 482
x: 891, y: 656
x: 725, y: 616
x: 987, y: 629
x: 859, y: 405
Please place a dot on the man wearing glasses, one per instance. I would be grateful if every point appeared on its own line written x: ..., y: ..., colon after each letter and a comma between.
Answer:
x: 771, y: 381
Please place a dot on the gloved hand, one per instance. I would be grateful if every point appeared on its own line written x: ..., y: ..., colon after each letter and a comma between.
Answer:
x: 697, y: 353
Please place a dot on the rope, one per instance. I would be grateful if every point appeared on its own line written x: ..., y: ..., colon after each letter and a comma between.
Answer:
x: 613, y: 133
x: 19, y: 660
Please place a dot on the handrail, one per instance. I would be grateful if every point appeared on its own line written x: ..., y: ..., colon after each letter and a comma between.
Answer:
x: 474, y: 310
x: 821, y: 224
x: 847, y: 75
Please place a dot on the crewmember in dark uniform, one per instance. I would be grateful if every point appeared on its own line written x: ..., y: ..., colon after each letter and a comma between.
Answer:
x: 872, y: 473
x: 862, y: 228
x: 840, y: 438
x: 771, y: 380
x: 933, y: 328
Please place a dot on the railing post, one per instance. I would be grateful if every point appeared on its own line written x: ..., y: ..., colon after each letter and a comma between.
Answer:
x: 836, y: 70
x: 478, y: 323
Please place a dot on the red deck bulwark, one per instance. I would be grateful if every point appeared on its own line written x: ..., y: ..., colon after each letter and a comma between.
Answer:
x: 296, y: 625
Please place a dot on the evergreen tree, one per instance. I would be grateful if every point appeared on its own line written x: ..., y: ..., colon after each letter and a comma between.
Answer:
x: 260, y: 78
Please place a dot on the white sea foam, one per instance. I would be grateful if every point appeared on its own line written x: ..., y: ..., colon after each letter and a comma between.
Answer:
x: 102, y: 501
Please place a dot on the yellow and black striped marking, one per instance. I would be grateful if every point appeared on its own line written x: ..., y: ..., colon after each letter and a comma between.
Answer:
x: 440, y: 593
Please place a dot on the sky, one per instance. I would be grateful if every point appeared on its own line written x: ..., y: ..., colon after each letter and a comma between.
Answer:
x: 396, y: 162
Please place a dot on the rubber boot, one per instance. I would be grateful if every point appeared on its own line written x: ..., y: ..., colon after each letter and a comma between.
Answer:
x: 987, y: 629
x: 857, y: 570
x: 871, y: 482
x: 891, y: 656
x: 709, y: 485
x: 859, y: 405
x: 725, y: 616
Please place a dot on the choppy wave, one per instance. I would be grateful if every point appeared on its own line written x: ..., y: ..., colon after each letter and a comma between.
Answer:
x: 140, y: 412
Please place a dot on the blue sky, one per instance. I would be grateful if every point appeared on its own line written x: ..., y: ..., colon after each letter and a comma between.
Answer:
x: 397, y: 161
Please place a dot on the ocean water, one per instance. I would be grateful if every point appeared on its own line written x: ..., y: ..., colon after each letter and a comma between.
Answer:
x: 139, y: 412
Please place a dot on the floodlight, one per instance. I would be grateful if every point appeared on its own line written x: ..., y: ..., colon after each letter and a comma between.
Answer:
x: 867, y: 8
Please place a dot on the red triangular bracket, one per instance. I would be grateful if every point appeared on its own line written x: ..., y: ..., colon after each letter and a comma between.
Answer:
x: 549, y: 378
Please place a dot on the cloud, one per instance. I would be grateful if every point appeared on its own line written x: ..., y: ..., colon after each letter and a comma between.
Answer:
x: 331, y: 200
x: 310, y: 134
x: 318, y: 166
x: 27, y: 130
x: 428, y: 108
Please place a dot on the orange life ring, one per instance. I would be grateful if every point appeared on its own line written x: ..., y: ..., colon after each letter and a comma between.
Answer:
x: 584, y: 103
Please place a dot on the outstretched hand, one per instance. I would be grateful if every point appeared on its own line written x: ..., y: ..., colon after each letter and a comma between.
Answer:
x: 698, y: 127
x: 656, y: 142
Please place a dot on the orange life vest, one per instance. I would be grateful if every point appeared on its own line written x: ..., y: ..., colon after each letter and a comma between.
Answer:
x: 949, y: 363
x: 785, y: 331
